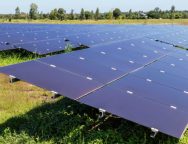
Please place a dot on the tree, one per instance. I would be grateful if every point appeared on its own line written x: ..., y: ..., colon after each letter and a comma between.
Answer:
x: 17, y: 13
x: 33, y: 13
x: 53, y: 14
x: 92, y: 15
x: 82, y: 14
x: 109, y: 15
x: 88, y: 15
x: 72, y: 16
x: 61, y: 14
x: 97, y: 14
x: 41, y: 15
x: 130, y: 14
x: 172, y: 11
x: 156, y: 13
x: 116, y: 13
x: 10, y: 18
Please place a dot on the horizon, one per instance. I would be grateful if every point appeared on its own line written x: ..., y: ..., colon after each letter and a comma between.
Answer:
x: 45, y: 6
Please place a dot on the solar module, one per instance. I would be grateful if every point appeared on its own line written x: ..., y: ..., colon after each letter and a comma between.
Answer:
x: 131, y: 106
x: 149, y: 89
x: 164, y: 78
x: 101, y: 57
x: 173, y: 67
x: 52, y: 78
x: 5, y: 46
x: 126, y: 51
x: 44, y: 47
x: 88, y: 35
x: 124, y: 72
x: 84, y: 67
x: 176, y: 35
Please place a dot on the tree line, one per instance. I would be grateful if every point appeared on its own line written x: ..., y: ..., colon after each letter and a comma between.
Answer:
x: 61, y: 14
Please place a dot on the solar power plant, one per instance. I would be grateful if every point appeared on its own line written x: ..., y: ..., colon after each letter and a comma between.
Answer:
x: 176, y: 36
x: 32, y: 40
x: 124, y: 71
x: 38, y: 38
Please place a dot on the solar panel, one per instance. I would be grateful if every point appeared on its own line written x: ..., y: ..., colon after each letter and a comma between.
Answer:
x: 123, y: 72
x: 101, y: 57
x: 84, y: 67
x: 44, y: 47
x: 164, y: 78
x: 52, y: 78
x: 172, y: 66
x: 149, y: 89
x: 88, y: 35
x: 123, y: 50
x: 176, y: 36
x: 132, y: 106
x: 5, y: 46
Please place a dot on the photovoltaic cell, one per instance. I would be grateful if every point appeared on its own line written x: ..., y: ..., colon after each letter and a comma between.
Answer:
x: 84, y: 67
x: 172, y: 66
x: 52, y: 78
x: 5, y: 47
x: 88, y: 35
x: 148, y: 89
x: 126, y: 52
x: 44, y: 47
x: 149, y: 78
x: 164, y: 78
x: 142, y: 111
x: 109, y: 61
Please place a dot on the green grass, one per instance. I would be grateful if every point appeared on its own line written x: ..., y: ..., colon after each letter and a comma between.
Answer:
x: 121, y: 21
x: 15, y: 56
x: 28, y: 115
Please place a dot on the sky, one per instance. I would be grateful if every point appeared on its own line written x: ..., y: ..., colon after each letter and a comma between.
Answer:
x: 8, y: 6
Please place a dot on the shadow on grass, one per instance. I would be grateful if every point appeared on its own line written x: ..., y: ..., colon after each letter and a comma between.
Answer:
x: 17, y: 52
x: 22, y: 54
x: 66, y: 121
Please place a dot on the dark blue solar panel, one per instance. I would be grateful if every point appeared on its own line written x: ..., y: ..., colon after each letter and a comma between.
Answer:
x: 84, y: 67
x: 124, y: 51
x: 86, y: 34
x: 51, y: 78
x: 115, y: 50
x: 148, y: 89
x: 44, y: 47
x: 5, y: 47
x: 180, y: 55
x: 172, y: 66
x: 108, y: 61
x: 176, y: 36
x: 164, y: 78
x: 135, y: 108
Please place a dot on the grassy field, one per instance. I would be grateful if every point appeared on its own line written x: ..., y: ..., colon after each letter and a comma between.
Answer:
x: 125, y: 21
x: 28, y: 115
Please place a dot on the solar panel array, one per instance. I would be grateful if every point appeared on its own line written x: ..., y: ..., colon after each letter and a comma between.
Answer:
x: 177, y: 36
x: 44, y: 39
x: 124, y: 72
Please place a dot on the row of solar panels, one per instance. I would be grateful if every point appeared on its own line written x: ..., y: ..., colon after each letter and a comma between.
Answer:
x: 124, y: 72
x: 40, y: 38
x: 140, y: 80
x: 41, y: 42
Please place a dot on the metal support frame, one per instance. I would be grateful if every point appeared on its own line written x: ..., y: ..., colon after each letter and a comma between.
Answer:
x: 102, y: 113
x: 55, y: 95
x: 13, y: 79
x: 154, y: 132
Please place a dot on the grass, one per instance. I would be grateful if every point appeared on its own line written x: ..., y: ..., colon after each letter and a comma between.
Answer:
x: 124, y: 21
x: 28, y: 115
